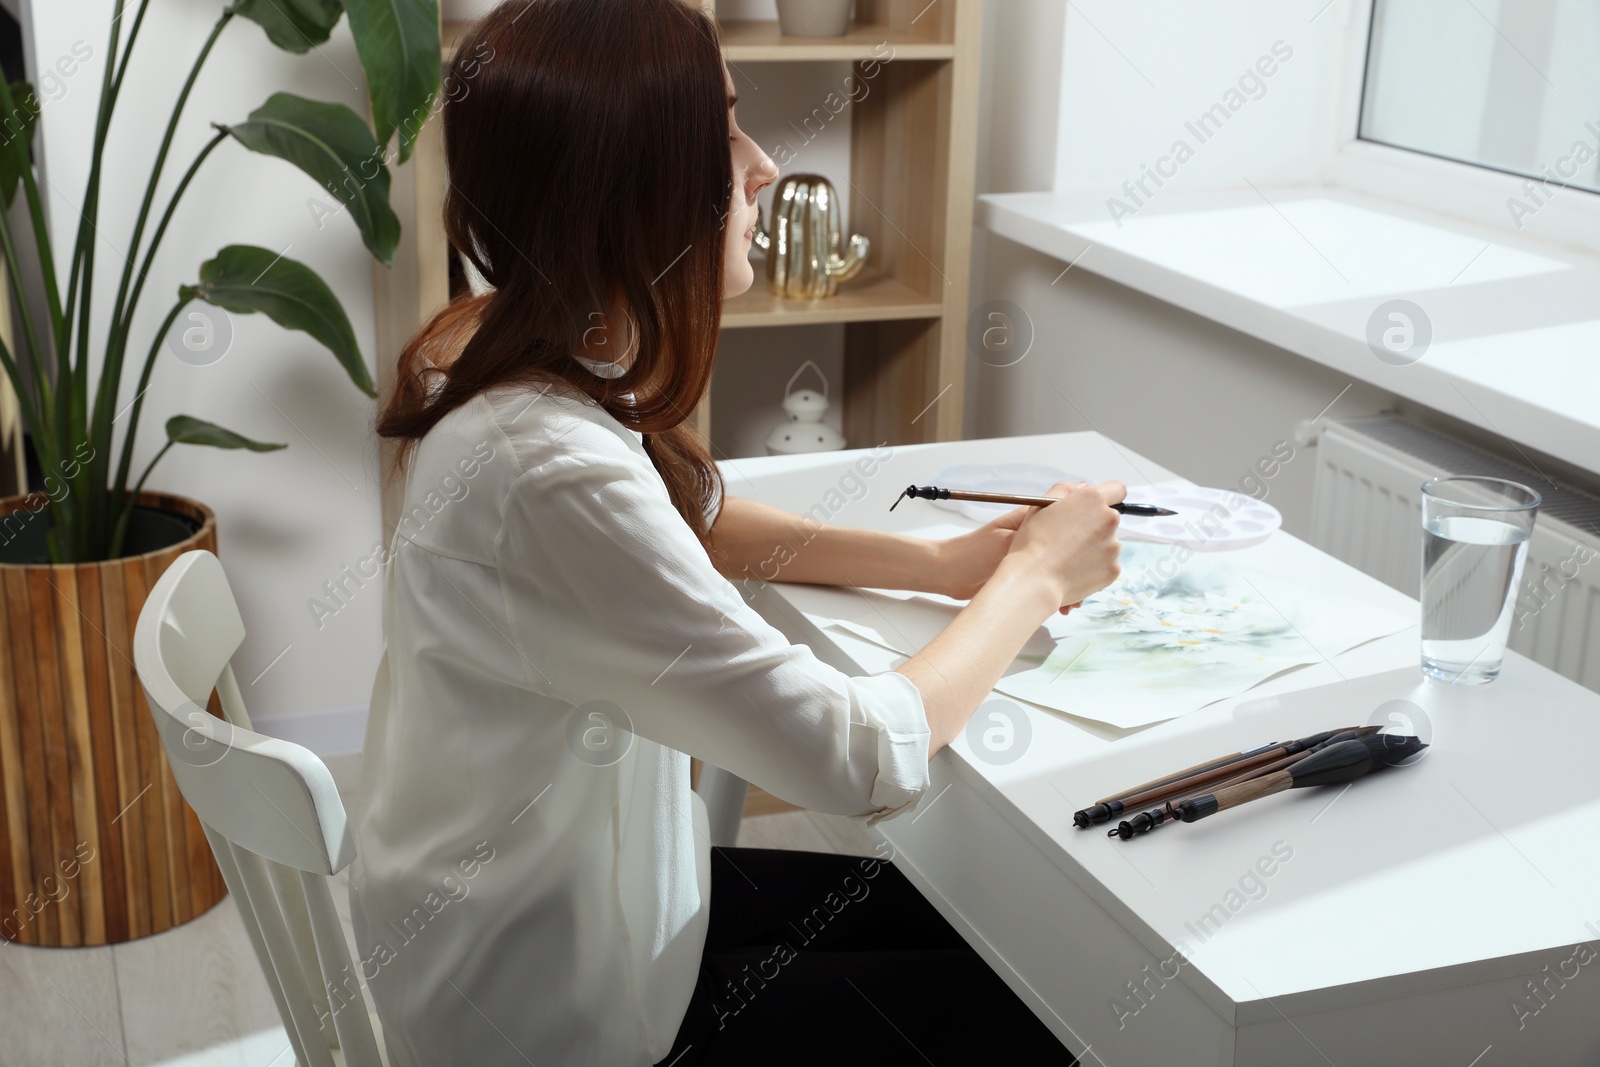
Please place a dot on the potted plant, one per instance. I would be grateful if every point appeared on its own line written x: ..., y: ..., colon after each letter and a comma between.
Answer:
x: 96, y: 844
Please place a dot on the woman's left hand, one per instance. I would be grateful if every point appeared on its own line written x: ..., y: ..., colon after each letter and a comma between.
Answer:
x: 968, y: 560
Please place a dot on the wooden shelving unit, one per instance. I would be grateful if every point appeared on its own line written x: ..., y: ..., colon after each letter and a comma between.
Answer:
x: 913, y: 145
x: 869, y: 296
x: 913, y: 142
x: 746, y: 42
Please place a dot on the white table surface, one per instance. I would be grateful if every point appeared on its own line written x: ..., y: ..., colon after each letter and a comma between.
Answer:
x: 1415, y: 905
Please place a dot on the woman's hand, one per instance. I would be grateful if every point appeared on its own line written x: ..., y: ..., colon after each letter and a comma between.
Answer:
x: 1054, y: 557
x: 968, y: 560
x: 1073, y: 542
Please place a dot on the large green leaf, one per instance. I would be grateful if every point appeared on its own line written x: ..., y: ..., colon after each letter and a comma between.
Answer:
x: 247, y: 279
x: 398, y: 42
x: 293, y: 25
x: 20, y: 124
x: 333, y: 145
x: 187, y: 430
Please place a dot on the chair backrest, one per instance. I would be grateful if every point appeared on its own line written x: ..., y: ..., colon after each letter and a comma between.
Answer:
x: 269, y: 807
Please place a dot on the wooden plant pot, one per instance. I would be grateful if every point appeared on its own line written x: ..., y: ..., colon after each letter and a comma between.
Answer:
x: 97, y: 846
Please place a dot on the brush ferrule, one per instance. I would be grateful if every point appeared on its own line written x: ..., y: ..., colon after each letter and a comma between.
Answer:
x: 1141, y: 823
x: 1099, y: 813
x: 1197, y: 808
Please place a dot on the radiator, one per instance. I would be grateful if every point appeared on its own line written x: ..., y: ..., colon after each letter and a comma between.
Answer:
x: 1367, y: 511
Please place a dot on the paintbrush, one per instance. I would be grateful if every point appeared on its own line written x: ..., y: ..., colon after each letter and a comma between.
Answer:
x: 928, y: 492
x: 1367, y: 734
x: 1146, y: 821
x: 1336, y: 764
x: 1207, y: 775
x: 1205, y: 765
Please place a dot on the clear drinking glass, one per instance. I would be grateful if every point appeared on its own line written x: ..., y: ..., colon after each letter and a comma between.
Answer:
x: 1475, y: 534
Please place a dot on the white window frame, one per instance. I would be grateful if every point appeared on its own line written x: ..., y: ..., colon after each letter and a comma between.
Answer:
x: 1475, y: 193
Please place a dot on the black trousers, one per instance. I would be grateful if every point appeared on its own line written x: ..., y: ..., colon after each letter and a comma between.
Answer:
x: 814, y: 958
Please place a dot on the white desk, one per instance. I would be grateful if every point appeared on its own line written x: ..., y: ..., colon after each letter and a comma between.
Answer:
x: 1405, y: 923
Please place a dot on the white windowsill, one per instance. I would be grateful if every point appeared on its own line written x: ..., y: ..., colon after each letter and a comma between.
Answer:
x: 1515, y: 323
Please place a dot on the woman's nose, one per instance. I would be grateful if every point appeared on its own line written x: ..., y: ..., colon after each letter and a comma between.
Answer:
x: 764, y: 173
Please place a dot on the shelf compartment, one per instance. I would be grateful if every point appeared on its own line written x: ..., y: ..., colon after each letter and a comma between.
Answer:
x: 868, y: 297
x: 750, y: 42
x: 895, y: 388
x: 746, y: 41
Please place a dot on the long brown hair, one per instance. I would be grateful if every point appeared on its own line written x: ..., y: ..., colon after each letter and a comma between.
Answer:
x: 587, y: 149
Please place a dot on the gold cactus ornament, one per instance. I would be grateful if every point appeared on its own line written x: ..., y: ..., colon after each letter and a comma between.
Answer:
x: 805, y: 260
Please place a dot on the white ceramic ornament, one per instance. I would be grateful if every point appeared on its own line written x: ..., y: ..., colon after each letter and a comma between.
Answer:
x: 803, y: 429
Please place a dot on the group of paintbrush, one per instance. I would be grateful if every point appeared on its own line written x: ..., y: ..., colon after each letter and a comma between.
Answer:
x: 1328, y: 758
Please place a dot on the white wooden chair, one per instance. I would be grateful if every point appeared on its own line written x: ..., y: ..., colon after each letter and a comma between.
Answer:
x: 269, y: 807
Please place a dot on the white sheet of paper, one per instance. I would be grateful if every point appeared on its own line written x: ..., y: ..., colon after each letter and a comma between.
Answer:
x: 1163, y: 640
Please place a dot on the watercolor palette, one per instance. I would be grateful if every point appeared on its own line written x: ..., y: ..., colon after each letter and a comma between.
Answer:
x: 1207, y: 519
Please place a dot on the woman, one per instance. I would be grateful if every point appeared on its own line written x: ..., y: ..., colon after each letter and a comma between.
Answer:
x: 535, y: 882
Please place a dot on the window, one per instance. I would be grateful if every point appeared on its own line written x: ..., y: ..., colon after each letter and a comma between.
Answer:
x: 1512, y: 85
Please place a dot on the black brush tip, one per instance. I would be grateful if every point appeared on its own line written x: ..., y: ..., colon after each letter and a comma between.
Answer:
x: 1394, y: 750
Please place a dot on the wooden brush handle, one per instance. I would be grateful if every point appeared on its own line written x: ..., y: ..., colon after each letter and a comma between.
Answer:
x: 1291, y: 759
x: 1178, y: 776
x: 1241, y: 770
x: 1257, y: 772
x: 1254, y: 789
x: 1340, y: 762
x: 1175, y: 776
x: 1250, y: 766
x: 1247, y: 764
x: 978, y: 496
x: 1234, y: 795
x: 1209, y: 776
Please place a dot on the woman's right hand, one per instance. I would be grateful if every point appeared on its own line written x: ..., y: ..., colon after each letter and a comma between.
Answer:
x: 1063, y: 552
x: 1072, y: 543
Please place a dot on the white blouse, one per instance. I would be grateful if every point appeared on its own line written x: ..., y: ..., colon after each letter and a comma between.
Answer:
x: 533, y: 878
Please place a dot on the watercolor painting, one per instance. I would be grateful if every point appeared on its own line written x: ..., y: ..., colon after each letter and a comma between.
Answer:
x: 1175, y: 632
x: 1173, y: 629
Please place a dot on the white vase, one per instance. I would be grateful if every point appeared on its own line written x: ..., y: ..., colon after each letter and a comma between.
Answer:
x: 814, y: 18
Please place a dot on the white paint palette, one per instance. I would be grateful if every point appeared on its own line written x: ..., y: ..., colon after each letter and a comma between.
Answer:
x: 1207, y: 519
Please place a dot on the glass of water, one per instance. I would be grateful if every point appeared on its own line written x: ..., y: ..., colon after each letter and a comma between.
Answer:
x: 1475, y: 534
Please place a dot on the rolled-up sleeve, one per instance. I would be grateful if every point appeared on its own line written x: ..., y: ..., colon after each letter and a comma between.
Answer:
x: 608, y: 596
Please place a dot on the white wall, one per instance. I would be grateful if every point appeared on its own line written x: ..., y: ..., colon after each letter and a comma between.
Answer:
x: 1217, y: 407
x: 287, y: 520
x: 1202, y: 400
x: 1136, y: 77
x: 1019, y: 96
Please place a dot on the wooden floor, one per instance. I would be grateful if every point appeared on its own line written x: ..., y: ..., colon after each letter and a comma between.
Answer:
x: 195, y: 997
